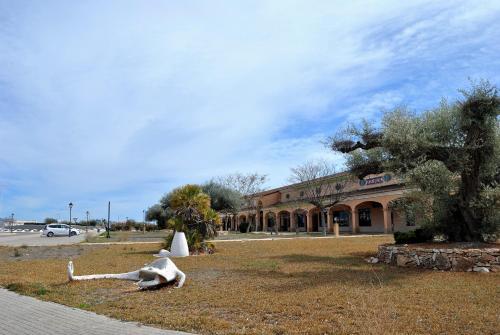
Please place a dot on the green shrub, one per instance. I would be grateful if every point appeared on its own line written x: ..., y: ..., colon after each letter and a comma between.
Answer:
x: 168, y: 241
x: 39, y: 289
x: 151, y: 227
x: 424, y: 234
x: 419, y: 235
x: 208, y: 247
x: 14, y: 287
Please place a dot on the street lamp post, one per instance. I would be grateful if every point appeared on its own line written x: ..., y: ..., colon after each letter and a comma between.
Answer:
x: 70, y: 205
x: 109, y: 213
x: 11, y: 222
x: 143, y: 221
x: 87, y: 226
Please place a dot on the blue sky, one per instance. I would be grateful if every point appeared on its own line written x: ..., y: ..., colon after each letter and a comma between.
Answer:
x: 124, y: 100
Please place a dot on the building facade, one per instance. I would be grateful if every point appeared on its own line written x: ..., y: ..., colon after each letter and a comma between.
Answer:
x: 364, y: 207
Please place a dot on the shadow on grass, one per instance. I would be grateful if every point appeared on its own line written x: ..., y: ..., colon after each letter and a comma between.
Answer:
x: 341, y: 260
x: 350, y: 270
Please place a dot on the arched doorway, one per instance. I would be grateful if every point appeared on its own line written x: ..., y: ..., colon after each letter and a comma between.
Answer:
x: 403, y: 218
x: 284, y: 221
x: 242, y: 219
x: 317, y: 225
x: 300, y: 219
x: 270, y: 220
x: 370, y: 216
x: 342, y: 214
x: 260, y: 224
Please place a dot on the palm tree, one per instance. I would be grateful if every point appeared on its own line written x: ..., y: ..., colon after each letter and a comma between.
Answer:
x: 192, y: 211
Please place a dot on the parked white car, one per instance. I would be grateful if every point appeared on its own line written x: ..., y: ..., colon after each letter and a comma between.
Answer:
x: 56, y: 229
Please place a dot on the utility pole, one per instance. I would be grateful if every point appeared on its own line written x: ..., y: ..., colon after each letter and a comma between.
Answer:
x: 109, y: 213
x: 87, y: 227
x: 70, y: 207
x: 144, y: 221
x: 11, y: 222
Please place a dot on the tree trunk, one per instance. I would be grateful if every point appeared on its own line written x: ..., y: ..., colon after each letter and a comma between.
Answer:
x: 250, y: 223
x: 471, y: 185
x: 322, y: 219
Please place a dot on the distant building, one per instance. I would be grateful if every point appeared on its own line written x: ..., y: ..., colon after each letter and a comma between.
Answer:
x: 365, y: 208
x: 5, y: 222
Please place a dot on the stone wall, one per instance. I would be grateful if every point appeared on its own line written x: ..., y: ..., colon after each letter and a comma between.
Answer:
x: 479, y: 260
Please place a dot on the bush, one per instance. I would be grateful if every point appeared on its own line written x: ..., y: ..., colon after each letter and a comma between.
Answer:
x: 168, y: 240
x: 419, y: 235
x: 139, y: 226
x: 424, y: 235
x: 151, y: 227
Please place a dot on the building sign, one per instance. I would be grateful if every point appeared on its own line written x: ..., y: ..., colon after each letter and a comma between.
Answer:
x: 375, y: 180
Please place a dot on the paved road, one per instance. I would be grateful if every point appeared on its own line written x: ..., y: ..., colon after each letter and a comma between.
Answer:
x: 21, y: 315
x: 34, y: 239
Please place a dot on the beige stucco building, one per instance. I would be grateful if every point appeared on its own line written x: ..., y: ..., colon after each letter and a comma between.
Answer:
x: 364, y: 207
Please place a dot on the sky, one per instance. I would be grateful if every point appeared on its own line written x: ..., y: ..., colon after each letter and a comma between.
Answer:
x: 124, y: 100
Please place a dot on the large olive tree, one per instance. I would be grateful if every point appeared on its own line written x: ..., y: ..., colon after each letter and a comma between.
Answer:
x: 448, y: 156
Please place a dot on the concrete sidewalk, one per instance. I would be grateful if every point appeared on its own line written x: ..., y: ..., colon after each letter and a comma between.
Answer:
x: 22, y: 315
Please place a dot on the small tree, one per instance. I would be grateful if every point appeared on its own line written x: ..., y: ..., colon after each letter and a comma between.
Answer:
x: 159, y: 214
x: 248, y: 186
x: 192, y: 213
x: 49, y: 220
x: 223, y: 199
x: 320, y: 185
x: 450, y: 155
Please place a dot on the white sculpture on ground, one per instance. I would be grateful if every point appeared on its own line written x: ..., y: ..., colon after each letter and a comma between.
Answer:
x: 159, y: 272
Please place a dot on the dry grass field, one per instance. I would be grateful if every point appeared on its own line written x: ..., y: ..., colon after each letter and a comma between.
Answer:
x: 306, y: 286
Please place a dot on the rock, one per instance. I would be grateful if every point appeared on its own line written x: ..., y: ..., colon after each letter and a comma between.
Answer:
x: 481, y: 264
x: 486, y: 258
x: 402, y: 260
x: 461, y: 264
x: 473, y: 253
x: 480, y: 269
x: 434, y: 255
x: 495, y: 268
x: 442, y: 262
x: 388, y: 259
x: 372, y: 260
x: 492, y: 251
x: 426, y: 262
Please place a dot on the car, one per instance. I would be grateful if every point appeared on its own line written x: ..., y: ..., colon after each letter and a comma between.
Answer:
x: 57, y: 229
